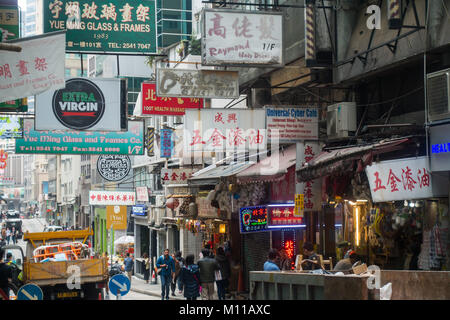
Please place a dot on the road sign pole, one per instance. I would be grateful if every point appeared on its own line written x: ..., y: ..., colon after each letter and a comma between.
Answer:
x: 118, y: 295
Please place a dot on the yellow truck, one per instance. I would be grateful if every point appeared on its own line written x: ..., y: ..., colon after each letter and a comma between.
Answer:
x: 81, y: 277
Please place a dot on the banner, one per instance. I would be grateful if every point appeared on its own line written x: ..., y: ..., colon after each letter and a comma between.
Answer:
x: 197, y: 83
x: 166, y: 143
x: 11, y: 127
x: 130, y: 142
x: 101, y: 26
x: 152, y: 104
x: 404, y: 179
x: 293, y: 123
x: 242, y: 38
x: 225, y: 129
x: 84, y: 104
x: 111, y: 198
x: 116, y: 217
x: 37, y: 68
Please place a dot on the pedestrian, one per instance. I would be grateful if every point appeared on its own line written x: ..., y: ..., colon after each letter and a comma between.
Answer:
x: 270, y: 264
x: 128, y: 262
x: 182, y: 262
x: 285, y: 261
x: 8, y: 235
x: 5, y: 276
x: 13, y: 235
x: 223, y: 274
x: 167, y: 265
x: 208, y: 267
x: 146, y: 267
x: 178, y: 265
x: 190, y: 278
x: 16, y: 236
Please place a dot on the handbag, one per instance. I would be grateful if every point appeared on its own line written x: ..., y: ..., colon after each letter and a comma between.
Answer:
x: 218, y: 275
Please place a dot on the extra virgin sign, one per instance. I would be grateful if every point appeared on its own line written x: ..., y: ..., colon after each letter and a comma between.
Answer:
x: 113, y: 167
x: 84, y: 104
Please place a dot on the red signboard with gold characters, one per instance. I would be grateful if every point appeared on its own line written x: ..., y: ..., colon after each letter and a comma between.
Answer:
x: 152, y: 104
x: 283, y: 216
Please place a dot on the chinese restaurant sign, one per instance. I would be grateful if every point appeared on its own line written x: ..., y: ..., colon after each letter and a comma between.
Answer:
x: 9, y: 22
x: 253, y: 219
x: 37, y: 68
x: 152, y: 104
x: 197, y: 83
x: 130, y: 142
x: 166, y: 143
x: 242, y: 38
x: 283, y: 216
x: 225, y: 129
x: 293, y: 124
x: 111, y: 198
x: 142, y: 194
x: 403, y: 179
x: 103, y: 25
x: 11, y: 127
x: 116, y: 217
x: 176, y: 176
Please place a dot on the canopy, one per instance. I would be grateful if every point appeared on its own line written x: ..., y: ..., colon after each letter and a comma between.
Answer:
x: 212, y: 177
x: 124, y: 240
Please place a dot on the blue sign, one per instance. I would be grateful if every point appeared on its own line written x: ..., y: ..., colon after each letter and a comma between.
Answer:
x: 440, y: 148
x: 166, y: 143
x: 30, y: 292
x: 140, y: 210
x: 120, y: 283
x: 253, y: 219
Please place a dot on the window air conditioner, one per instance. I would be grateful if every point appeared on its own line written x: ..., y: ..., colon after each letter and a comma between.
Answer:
x: 438, y: 89
x: 341, y: 119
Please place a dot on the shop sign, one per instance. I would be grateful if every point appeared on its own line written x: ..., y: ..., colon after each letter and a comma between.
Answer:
x: 113, y: 167
x: 205, y: 209
x: 299, y: 205
x: 9, y: 22
x: 176, y: 176
x: 166, y: 143
x: 253, y: 219
x: 6, y: 180
x: 111, y: 198
x: 197, y: 83
x: 101, y: 26
x: 139, y: 210
x: 282, y: 216
x: 225, y: 129
x: 130, y: 142
x: 37, y: 68
x: 312, y: 190
x: 18, y: 105
x: 154, y: 105
x: 404, y: 179
x: 116, y: 217
x: 84, y: 104
x: 440, y: 147
x: 11, y: 127
x: 142, y: 194
x: 242, y: 38
x: 292, y: 124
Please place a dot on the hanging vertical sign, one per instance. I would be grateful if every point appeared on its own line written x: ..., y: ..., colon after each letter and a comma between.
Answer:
x: 299, y: 205
x: 166, y: 143
x: 150, y: 143
x: 311, y: 190
x: 116, y: 217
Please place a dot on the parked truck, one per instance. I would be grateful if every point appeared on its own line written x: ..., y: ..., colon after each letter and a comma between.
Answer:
x: 57, y: 278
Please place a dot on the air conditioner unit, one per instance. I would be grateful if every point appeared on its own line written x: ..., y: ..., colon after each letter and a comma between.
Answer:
x: 438, y: 98
x: 341, y: 119
x: 159, y: 201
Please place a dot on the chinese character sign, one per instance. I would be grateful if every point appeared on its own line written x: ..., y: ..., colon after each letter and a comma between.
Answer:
x: 197, y: 83
x: 166, y: 143
x: 37, y: 68
x: 104, y: 25
x: 235, y: 38
x: 311, y: 190
x: 282, y: 216
x: 253, y: 219
x: 299, y: 205
x: 152, y: 104
x: 225, y: 129
x: 292, y: 124
x: 141, y: 194
x: 176, y: 176
x: 403, y: 179
x: 112, y: 198
x: 9, y: 23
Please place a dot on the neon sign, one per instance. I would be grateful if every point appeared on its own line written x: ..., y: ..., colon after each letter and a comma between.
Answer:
x: 283, y: 216
x: 253, y: 219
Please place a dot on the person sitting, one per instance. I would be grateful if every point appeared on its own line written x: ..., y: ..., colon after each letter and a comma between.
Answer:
x: 347, y: 263
x: 270, y: 264
x: 312, y: 261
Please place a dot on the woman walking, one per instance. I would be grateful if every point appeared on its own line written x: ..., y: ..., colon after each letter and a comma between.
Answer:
x: 146, y: 266
x: 190, y: 278
x: 225, y: 271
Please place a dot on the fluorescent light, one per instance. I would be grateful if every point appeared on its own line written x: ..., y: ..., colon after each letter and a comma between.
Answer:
x: 362, y: 200
x: 291, y: 226
x: 282, y: 205
x: 352, y: 203
x: 357, y: 226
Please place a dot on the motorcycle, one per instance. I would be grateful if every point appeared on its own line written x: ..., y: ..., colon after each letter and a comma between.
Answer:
x: 116, y: 268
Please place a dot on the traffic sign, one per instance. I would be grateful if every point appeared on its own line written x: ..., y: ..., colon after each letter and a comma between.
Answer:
x: 119, y: 282
x: 30, y: 292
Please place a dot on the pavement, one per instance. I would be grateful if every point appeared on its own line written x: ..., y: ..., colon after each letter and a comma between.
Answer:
x: 151, y: 289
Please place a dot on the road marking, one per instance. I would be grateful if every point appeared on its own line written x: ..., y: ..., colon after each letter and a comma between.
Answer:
x: 122, y: 288
x: 29, y: 296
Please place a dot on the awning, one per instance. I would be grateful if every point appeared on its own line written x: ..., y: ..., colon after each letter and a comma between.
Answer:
x: 340, y: 160
x: 271, y: 168
x: 212, y: 177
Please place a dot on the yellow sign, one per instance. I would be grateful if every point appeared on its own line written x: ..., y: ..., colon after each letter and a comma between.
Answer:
x: 116, y: 217
x: 299, y: 205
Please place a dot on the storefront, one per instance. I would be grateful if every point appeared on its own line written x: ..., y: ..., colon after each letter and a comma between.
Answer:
x: 142, y: 236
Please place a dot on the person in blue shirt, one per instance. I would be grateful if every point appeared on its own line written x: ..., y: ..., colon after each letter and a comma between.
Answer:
x: 270, y: 264
x: 166, y: 264
x: 128, y: 264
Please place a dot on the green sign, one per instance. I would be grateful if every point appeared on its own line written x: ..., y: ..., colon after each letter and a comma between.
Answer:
x: 9, y: 23
x: 104, y: 25
x: 18, y: 105
x: 130, y: 142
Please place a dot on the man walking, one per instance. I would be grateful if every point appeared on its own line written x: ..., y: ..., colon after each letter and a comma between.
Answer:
x: 208, y: 267
x: 166, y: 264
x: 128, y: 262
x: 8, y: 235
